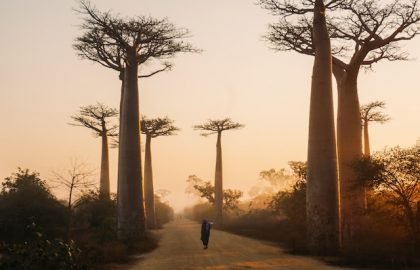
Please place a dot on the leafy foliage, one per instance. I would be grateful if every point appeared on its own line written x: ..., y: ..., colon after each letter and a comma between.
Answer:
x: 42, y: 254
x: 276, y: 178
x: 205, y: 189
x: 26, y: 199
x: 98, y: 213
x: 292, y: 204
x: 395, y: 174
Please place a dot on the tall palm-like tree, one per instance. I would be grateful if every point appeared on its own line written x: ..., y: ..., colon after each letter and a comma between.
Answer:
x: 369, y: 114
x: 124, y: 44
x: 153, y: 128
x: 217, y: 127
x: 322, y: 186
x: 96, y: 118
x: 363, y: 33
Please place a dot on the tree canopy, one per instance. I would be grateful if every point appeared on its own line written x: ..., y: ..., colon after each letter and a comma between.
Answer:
x: 96, y: 117
x: 217, y: 126
x: 110, y: 40
x: 158, y: 127
x: 362, y: 32
x: 205, y: 189
x: 370, y: 113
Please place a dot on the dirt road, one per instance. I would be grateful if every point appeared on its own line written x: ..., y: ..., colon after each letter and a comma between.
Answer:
x: 180, y: 248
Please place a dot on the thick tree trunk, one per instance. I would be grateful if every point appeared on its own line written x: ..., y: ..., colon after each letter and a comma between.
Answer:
x: 69, y: 213
x: 349, y: 138
x: 218, y: 183
x: 148, y: 185
x: 366, y: 144
x: 412, y: 221
x: 322, y: 187
x: 104, y: 178
x: 131, y: 217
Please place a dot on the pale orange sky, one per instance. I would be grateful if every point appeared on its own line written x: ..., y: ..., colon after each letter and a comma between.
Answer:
x: 43, y: 82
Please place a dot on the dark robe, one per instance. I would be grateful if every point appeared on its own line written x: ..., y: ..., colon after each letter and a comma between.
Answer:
x: 205, y: 233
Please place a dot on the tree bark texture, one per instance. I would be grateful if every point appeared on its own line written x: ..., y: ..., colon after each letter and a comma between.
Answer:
x: 349, y: 146
x: 130, y: 207
x: 104, y: 178
x: 366, y: 144
x: 218, y: 183
x: 148, y: 185
x: 322, y: 187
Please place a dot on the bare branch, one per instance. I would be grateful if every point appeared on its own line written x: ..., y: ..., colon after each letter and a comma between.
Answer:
x: 113, y: 41
x: 217, y: 126
x: 167, y: 66
x: 362, y: 32
x: 95, y: 117
x: 77, y: 177
x: 370, y: 113
x: 158, y: 127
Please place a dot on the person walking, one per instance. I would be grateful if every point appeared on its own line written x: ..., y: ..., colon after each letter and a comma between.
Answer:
x: 205, y: 233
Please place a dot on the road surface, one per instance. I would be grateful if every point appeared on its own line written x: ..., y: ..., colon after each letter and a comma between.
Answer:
x: 180, y: 248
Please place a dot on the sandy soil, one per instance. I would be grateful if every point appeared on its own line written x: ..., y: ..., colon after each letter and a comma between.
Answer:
x: 181, y: 248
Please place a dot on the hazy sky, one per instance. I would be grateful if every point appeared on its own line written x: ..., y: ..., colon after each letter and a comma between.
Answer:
x: 43, y: 82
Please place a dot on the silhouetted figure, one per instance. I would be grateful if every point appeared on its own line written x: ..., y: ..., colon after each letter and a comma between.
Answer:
x: 205, y: 233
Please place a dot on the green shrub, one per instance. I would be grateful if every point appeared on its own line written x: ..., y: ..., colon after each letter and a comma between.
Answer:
x: 96, y: 214
x: 164, y: 213
x: 25, y: 199
x: 42, y: 254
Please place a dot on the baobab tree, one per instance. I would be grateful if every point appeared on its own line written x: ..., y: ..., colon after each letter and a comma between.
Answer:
x: 322, y: 183
x: 363, y: 33
x: 124, y: 44
x: 96, y: 118
x: 153, y: 128
x: 369, y: 114
x: 217, y: 127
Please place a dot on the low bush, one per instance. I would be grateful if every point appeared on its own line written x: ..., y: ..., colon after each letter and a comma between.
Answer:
x: 25, y: 199
x: 164, y: 213
x: 41, y: 253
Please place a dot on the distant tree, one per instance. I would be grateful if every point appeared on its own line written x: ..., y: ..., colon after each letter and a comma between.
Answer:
x: 276, y: 178
x: 292, y: 202
x: 363, y: 33
x: 153, y: 128
x: 162, y: 193
x: 124, y: 44
x: 300, y: 170
x: 206, y: 190
x: 369, y: 113
x: 164, y: 212
x: 217, y: 127
x: 95, y: 117
x: 395, y: 173
x: 272, y: 181
x: 25, y: 202
x: 200, y: 188
x: 74, y: 179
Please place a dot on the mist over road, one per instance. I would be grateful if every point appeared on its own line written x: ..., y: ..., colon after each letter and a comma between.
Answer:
x: 180, y: 248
